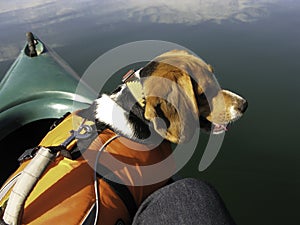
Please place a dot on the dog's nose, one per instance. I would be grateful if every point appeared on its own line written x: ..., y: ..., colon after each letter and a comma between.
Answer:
x: 243, y: 106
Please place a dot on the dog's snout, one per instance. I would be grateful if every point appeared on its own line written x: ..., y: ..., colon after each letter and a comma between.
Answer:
x: 243, y: 106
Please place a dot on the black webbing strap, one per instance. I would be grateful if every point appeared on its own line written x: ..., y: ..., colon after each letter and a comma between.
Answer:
x: 120, y: 189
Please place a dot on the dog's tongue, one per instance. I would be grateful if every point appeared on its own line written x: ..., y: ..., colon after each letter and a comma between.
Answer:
x: 219, y: 128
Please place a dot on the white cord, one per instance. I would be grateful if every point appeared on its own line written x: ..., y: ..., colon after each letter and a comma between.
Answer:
x: 97, y: 194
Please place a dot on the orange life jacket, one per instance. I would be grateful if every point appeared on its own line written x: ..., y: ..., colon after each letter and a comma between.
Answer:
x: 65, y: 193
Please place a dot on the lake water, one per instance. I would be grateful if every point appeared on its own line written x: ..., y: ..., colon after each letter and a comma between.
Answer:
x: 254, y: 47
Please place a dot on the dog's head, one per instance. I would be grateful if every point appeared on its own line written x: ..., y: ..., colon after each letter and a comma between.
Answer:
x: 172, y: 95
x: 180, y: 90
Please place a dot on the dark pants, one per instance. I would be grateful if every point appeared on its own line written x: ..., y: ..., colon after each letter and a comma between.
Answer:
x: 186, y: 201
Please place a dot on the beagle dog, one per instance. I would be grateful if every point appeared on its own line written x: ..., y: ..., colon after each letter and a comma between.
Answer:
x: 168, y: 98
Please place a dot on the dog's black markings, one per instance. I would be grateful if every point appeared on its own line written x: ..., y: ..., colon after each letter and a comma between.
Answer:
x: 143, y: 128
x: 161, y: 115
x: 136, y: 114
x: 89, y: 114
x: 148, y: 69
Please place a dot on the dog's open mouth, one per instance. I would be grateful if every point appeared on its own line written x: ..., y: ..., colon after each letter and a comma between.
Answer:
x: 211, y: 127
x: 218, y: 128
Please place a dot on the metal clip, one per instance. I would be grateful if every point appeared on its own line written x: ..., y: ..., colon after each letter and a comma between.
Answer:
x: 77, y: 134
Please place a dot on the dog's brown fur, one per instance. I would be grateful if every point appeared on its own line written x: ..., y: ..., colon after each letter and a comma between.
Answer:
x: 183, y: 88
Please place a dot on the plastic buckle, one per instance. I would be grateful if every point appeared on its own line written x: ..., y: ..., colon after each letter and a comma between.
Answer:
x: 28, y: 154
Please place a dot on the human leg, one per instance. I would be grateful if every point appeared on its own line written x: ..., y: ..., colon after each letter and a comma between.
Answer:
x: 186, y: 201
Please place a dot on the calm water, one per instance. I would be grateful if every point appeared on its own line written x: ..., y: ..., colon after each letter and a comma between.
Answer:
x: 255, y: 53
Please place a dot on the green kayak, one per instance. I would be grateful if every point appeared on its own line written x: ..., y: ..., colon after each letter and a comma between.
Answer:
x: 38, y: 88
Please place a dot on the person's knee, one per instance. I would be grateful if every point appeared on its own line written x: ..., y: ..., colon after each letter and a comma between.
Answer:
x: 198, y: 189
x: 186, y: 201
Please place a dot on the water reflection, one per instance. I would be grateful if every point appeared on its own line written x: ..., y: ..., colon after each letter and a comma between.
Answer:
x: 190, y: 12
x: 45, y: 15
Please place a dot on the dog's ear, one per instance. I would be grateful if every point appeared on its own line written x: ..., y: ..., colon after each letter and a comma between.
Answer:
x: 171, y: 104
